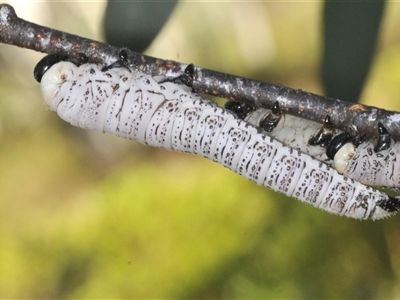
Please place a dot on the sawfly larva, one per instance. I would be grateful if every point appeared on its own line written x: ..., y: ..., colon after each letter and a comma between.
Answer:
x: 164, y: 114
x: 361, y: 160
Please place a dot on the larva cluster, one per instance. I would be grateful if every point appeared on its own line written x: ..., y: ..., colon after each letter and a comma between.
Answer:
x: 360, y: 161
x: 135, y: 106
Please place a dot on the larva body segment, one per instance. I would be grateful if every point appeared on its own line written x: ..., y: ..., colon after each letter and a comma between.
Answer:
x: 166, y: 116
x: 317, y: 180
x: 285, y: 170
x: 208, y: 129
x: 188, y: 137
x: 160, y: 127
x: 256, y: 158
x: 184, y: 126
x: 292, y: 131
x: 231, y: 141
x: 381, y: 169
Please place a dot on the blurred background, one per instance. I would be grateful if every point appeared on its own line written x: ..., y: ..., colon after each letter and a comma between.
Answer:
x: 89, y: 215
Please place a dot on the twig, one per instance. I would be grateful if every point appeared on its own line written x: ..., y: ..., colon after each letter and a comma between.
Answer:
x: 21, y: 33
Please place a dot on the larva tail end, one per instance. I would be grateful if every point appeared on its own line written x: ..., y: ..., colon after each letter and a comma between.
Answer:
x: 390, y: 206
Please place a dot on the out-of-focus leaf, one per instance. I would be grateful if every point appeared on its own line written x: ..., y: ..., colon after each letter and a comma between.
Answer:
x: 135, y: 24
x: 350, y: 36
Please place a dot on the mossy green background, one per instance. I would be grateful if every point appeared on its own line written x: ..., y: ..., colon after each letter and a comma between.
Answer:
x: 89, y: 215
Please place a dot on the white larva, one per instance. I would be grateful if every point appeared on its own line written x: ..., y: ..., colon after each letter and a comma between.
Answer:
x: 291, y: 131
x: 135, y: 106
x: 359, y: 163
x: 375, y: 168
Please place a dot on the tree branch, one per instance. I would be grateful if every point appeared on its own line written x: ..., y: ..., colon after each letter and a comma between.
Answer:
x: 21, y: 33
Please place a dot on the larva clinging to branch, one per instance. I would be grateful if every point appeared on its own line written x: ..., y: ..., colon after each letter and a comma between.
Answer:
x: 162, y: 113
